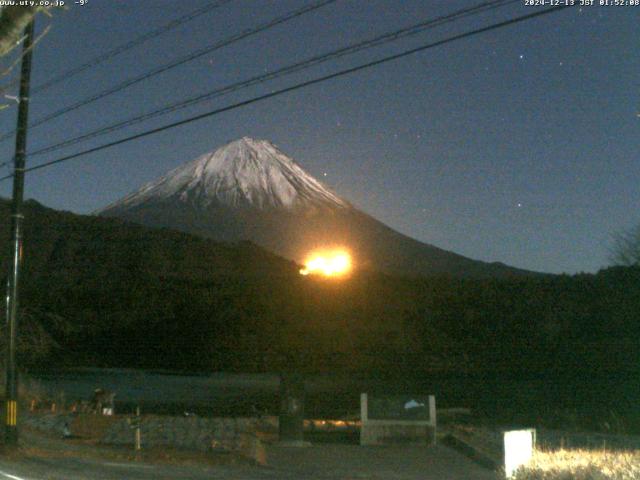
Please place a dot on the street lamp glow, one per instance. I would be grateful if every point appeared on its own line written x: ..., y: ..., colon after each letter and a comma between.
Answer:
x: 330, y: 263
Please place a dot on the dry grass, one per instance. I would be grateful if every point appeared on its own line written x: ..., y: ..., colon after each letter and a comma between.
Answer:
x: 582, y: 465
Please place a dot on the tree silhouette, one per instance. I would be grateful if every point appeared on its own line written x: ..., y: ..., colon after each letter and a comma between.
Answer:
x: 626, y: 248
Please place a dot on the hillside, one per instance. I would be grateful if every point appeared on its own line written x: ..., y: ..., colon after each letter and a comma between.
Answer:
x: 101, y: 292
x: 87, y: 280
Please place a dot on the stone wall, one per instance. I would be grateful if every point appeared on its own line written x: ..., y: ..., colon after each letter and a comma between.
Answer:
x: 238, y: 435
x: 46, y: 422
x: 194, y: 433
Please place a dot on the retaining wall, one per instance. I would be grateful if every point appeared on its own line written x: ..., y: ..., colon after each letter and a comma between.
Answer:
x: 193, y: 433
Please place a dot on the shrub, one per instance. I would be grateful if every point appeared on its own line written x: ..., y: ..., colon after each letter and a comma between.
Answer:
x: 582, y: 465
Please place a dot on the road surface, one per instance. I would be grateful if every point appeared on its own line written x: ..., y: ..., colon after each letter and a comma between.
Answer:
x: 318, y: 462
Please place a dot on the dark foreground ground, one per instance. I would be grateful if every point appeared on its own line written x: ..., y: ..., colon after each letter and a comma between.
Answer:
x: 46, y: 458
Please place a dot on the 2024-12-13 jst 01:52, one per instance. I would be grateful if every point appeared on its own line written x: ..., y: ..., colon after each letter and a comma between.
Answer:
x: 581, y: 3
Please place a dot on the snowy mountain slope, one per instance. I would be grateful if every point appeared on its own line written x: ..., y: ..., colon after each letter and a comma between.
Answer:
x: 243, y: 173
x: 250, y: 190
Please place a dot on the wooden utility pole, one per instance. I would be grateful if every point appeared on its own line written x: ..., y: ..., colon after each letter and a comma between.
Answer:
x: 11, y: 392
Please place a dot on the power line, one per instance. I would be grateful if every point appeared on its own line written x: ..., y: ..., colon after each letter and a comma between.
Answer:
x: 129, y: 45
x: 298, y: 86
x: 171, y: 65
x: 112, y: 53
x: 287, y: 70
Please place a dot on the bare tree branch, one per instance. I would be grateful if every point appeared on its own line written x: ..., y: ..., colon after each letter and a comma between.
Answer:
x: 13, y: 21
x: 626, y: 248
x: 8, y: 70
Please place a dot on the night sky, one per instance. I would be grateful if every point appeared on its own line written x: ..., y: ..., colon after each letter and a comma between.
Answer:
x: 519, y: 145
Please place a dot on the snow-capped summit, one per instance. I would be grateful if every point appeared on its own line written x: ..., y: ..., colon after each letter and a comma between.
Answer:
x: 243, y: 173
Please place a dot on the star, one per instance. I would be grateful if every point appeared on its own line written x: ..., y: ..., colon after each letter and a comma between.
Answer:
x: 519, y: 205
x: 521, y: 56
x: 324, y: 174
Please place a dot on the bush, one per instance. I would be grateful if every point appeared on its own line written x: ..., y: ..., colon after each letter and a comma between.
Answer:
x: 582, y: 465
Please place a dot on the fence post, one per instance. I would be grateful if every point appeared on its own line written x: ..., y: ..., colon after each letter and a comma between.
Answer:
x: 138, y: 436
x: 432, y: 415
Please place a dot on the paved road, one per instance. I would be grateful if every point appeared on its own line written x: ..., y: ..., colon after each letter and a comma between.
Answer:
x: 318, y: 462
x: 351, y: 462
x: 75, y: 469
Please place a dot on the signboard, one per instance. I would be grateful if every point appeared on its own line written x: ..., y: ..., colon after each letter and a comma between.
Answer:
x: 397, y: 419
x: 398, y: 407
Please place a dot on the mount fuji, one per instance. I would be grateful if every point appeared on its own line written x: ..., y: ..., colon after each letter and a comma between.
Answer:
x: 250, y: 190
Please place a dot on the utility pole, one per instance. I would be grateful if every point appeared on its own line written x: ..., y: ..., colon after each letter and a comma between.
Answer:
x: 11, y: 391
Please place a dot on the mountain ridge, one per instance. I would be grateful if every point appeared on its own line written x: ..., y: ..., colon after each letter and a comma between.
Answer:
x: 249, y: 190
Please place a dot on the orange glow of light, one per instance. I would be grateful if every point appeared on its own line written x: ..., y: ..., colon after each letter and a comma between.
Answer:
x: 330, y: 263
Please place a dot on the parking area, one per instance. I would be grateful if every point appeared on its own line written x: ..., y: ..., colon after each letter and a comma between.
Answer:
x: 398, y: 462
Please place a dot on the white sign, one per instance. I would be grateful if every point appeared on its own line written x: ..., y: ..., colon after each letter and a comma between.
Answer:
x: 518, y: 450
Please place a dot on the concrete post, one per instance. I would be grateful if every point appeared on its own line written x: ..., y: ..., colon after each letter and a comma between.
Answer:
x: 291, y: 419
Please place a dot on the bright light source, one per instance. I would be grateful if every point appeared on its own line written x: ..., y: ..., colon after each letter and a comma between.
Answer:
x: 330, y: 263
